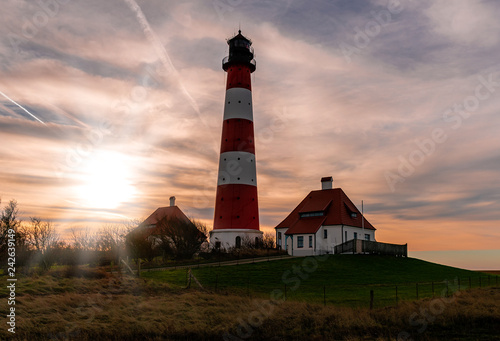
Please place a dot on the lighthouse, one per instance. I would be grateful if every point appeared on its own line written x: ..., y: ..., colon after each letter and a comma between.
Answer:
x: 236, y: 217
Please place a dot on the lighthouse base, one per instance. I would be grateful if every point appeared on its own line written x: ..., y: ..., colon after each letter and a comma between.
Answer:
x: 229, y: 238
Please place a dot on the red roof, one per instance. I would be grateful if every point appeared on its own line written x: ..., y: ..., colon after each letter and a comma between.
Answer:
x: 337, y: 209
x: 306, y: 225
x: 148, y: 226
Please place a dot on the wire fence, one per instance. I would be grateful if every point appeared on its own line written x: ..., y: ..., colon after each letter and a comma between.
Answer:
x: 366, y: 295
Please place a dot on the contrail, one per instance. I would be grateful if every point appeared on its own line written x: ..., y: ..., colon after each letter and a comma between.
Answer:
x: 160, y: 49
x: 20, y: 106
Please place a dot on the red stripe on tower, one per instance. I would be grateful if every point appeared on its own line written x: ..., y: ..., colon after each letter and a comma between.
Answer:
x: 236, y: 207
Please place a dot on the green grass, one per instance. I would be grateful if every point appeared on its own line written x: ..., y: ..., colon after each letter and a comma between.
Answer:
x: 337, y: 279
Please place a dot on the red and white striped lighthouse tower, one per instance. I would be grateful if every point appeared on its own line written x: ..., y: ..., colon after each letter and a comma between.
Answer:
x: 236, y: 217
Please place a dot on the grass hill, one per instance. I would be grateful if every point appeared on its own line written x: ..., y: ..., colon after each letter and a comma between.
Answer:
x: 81, y: 303
x: 337, y: 279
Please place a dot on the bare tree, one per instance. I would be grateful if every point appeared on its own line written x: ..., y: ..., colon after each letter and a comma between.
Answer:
x: 268, y: 241
x: 41, y: 238
x: 8, y: 224
x: 140, y: 246
x: 84, y: 240
x: 40, y: 235
x: 181, y: 238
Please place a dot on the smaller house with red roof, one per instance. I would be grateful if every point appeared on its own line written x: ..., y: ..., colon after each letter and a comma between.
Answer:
x: 149, y: 227
x: 324, y: 219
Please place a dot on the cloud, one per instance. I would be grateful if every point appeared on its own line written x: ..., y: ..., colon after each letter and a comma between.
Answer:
x: 92, y: 75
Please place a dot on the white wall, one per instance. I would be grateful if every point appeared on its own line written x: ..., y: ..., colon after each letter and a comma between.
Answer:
x: 335, y: 236
x: 281, y: 243
x: 227, y: 237
x: 306, y: 250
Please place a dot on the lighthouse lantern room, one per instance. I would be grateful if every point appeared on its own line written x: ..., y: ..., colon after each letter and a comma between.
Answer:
x: 236, y: 217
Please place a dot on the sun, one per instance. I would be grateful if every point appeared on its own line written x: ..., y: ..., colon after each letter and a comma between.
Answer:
x: 105, y: 179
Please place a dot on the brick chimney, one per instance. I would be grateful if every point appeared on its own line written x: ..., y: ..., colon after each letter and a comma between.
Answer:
x: 326, y: 182
x: 172, y: 201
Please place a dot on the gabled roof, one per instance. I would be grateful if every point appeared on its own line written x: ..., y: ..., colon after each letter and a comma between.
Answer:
x: 148, y: 226
x: 163, y: 212
x: 337, y: 209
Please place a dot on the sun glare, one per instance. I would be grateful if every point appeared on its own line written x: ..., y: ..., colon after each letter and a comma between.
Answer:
x: 105, y: 181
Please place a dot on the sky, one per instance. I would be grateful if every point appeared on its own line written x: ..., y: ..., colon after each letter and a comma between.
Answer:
x: 108, y: 108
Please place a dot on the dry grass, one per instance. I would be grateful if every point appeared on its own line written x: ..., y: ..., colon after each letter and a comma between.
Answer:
x: 123, y: 308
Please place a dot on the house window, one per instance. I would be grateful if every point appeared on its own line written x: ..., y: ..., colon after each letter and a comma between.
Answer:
x: 310, y: 241
x: 279, y: 237
x: 300, y: 242
x: 325, y: 233
x: 367, y: 237
x: 238, y: 242
x: 345, y: 236
x: 355, y: 235
x: 311, y: 214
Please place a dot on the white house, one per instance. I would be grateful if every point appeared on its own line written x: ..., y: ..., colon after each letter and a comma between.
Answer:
x: 323, y: 219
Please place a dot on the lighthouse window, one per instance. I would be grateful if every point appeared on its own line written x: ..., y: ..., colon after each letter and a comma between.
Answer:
x: 238, y: 198
x: 228, y: 102
x: 238, y: 178
x: 238, y: 158
x: 237, y: 217
x: 239, y: 101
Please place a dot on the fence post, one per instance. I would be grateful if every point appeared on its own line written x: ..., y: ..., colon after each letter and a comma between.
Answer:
x: 324, y: 295
x: 417, y: 290
x: 285, y: 292
x: 371, y: 299
x: 447, y: 288
x: 488, y: 280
